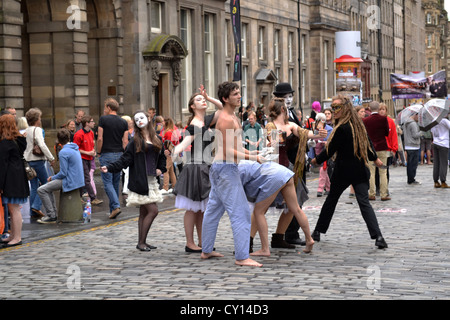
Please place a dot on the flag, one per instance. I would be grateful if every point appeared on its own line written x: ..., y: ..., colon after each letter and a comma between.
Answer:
x: 235, y: 10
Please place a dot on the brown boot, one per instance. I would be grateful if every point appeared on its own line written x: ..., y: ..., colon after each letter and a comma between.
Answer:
x: 279, y: 242
x: 444, y: 185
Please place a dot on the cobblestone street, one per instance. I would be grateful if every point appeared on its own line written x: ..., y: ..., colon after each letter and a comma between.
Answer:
x: 99, y: 261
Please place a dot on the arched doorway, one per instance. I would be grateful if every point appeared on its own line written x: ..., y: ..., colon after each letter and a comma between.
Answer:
x: 162, y: 59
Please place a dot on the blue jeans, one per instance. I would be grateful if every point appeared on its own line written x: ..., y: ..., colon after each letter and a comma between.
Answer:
x: 42, y: 176
x: 412, y: 164
x: 111, y: 181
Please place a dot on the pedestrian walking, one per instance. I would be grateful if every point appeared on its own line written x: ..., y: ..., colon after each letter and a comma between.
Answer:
x: 440, y: 151
x: 144, y: 156
x: 14, y: 188
x: 354, y: 150
x: 111, y: 142
x: 70, y: 176
x: 36, y: 157
x: 84, y: 139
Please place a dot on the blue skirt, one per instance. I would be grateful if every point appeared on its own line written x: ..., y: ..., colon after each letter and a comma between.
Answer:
x: 260, y: 181
x: 7, y: 200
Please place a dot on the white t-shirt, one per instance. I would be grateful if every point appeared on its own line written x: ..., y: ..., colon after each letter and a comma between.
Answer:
x: 441, y: 133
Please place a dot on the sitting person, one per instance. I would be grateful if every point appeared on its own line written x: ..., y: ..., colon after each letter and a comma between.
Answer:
x: 70, y: 176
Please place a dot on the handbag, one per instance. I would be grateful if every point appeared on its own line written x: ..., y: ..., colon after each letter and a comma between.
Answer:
x: 36, y: 150
x: 29, y: 170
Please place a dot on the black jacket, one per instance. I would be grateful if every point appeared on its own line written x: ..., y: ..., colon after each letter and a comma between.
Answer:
x: 136, y: 162
x: 13, y: 179
x: 348, y: 168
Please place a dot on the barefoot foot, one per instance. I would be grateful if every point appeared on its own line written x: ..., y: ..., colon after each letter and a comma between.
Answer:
x: 248, y: 262
x: 211, y: 255
x: 309, y: 246
x: 263, y: 253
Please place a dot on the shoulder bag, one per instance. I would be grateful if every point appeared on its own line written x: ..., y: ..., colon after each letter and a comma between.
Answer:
x: 36, y: 150
x: 29, y: 170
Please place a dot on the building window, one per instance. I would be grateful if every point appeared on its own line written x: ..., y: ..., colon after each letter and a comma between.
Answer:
x: 244, y: 93
x: 290, y: 47
x: 429, y: 40
x: 156, y: 14
x: 303, y: 44
x: 303, y: 80
x: 277, y: 74
x: 291, y: 77
x: 261, y: 43
x: 430, y: 65
x: 227, y: 26
x: 244, y: 40
x: 325, y: 69
x: 208, y: 45
x: 429, y: 18
x: 186, y: 71
x: 276, y: 45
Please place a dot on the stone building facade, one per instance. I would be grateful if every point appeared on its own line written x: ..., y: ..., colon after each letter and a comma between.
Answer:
x: 64, y: 55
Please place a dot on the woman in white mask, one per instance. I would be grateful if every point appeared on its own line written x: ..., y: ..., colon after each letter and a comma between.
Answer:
x: 145, y: 158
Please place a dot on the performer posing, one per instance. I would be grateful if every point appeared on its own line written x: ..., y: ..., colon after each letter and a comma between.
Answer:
x: 145, y: 158
x: 193, y: 186
x: 227, y: 192
x: 292, y: 190
x: 354, y: 150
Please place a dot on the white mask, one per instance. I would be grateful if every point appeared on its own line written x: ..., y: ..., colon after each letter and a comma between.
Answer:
x: 288, y: 98
x: 141, y: 120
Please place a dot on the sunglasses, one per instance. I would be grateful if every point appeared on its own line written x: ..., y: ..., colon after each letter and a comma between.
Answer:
x: 336, y: 107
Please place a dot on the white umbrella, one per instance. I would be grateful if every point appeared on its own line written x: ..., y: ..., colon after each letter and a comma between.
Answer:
x: 406, y: 113
x: 432, y: 113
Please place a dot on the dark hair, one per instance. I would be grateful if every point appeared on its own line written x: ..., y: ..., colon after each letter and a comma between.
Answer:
x: 225, y: 89
x: 85, y: 120
x: 139, y: 139
x: 190, y: 104
x: 63, y: 136
x: 275, y: 108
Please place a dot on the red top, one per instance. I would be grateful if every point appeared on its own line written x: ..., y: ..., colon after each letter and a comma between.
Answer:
x: 85, y: 142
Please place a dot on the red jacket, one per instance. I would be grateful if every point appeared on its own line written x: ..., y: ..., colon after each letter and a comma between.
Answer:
x: 85, y: 142
x: 392, y: 138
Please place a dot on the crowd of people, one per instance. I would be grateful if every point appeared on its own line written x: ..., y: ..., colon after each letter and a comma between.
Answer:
x: 225, y: 160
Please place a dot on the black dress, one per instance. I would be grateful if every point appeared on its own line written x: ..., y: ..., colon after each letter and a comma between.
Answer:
x: 193, y: 185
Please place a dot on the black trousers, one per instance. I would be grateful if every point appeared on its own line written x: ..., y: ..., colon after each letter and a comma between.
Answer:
x: 362, y: 196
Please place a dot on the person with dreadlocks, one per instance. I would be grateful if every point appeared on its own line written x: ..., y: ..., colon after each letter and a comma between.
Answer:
x: 353, y: 148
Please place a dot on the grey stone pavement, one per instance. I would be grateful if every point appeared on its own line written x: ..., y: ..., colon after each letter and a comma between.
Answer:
x: 96, y: 261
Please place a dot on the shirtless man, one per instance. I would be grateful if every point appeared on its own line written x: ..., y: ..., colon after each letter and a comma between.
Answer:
x: 227, y: 192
